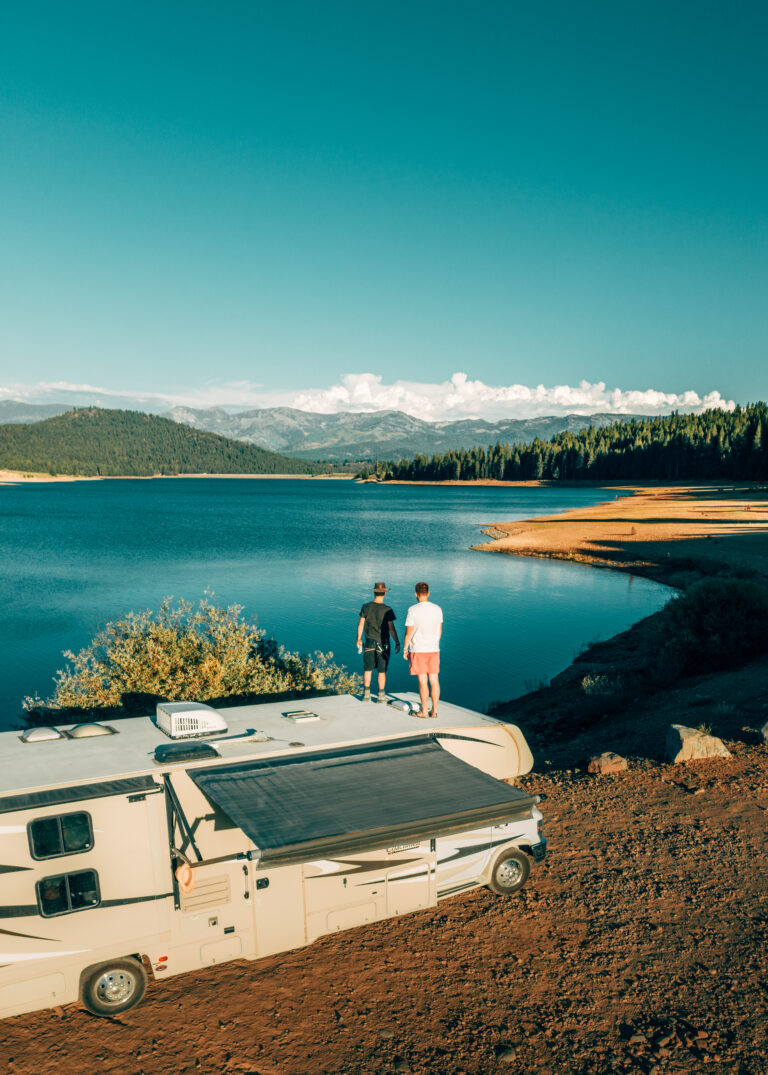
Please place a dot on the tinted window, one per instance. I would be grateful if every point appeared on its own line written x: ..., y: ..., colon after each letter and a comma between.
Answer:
x: 83, y: 889
x: 69, y: 892
x: 52, y: 895
x: 45, y: 836
x: 64, y: 835
x: 76, y: 833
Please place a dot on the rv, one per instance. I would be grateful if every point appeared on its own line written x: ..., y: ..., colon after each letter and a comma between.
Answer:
x: 149, y: 847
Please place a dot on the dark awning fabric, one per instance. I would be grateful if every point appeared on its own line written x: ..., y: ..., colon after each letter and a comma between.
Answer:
x: 348, y: 799
x: 78, y: 793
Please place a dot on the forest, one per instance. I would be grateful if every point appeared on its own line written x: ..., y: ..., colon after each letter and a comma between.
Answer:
x: 94, y: 442
x: 728, y: 445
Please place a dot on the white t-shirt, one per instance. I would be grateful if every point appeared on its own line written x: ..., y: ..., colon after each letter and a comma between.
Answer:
x: 425, y: 618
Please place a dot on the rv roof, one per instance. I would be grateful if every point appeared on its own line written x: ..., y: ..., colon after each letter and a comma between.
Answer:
x: 343, y: 719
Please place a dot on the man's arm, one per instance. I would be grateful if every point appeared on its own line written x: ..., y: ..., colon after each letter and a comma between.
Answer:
x: 407, y: 644
x: 360, y: 626
x: 393, y: 633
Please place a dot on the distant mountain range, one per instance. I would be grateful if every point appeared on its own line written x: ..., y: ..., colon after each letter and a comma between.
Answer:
x: 112, y: 443
x: 13, y: 411
x: 375, y: 435
x: 348, y: 437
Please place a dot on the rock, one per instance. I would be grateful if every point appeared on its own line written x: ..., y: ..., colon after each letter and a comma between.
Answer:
x: 764, y: 732
x: 607, y: 762
x: 506, y: 1055
x: 685, y: 744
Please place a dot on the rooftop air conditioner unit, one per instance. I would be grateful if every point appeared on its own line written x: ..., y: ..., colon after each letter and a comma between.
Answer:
x: 189, y: 720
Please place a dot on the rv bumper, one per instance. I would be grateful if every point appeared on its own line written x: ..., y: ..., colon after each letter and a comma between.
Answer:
x: 538, y: 851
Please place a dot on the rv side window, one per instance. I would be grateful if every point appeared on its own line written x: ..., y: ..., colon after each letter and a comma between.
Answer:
x: 68, y: 892
x: 63, y: 835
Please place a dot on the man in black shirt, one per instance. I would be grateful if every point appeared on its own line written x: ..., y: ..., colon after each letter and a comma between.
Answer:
x: 374, y: 628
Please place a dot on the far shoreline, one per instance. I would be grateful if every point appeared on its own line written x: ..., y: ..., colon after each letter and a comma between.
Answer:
x: 17, y: 477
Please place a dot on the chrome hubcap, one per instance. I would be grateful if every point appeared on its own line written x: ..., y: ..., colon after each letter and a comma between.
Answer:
x: 114, y: 987
x: 509, y: 873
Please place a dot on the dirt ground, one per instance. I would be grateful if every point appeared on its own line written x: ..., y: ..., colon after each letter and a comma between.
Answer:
x: 638, y: 946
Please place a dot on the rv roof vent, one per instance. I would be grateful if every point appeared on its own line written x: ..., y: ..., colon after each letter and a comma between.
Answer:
x: 189, y: 720
x: 39, y: 735
x: 176, y: 752
x: 87, y: 731
x: 300, y: 716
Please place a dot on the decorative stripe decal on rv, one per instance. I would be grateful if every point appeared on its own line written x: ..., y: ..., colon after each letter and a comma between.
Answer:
x: 13, y: 869
x: 365, y: 866
x: 136, y: 899
x: 23, y: 910
x: 26, y: 936
x: 20, y: 910
x: 466, y: 739
x: 27, y: 957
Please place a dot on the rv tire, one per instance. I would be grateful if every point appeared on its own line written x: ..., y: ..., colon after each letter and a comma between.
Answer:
x: 113, y: 987
x: 510, y: 872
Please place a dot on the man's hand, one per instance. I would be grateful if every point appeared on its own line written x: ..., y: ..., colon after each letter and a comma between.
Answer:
x: 397, y: 647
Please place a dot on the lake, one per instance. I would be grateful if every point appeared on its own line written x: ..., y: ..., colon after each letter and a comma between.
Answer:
x: 301, y: 556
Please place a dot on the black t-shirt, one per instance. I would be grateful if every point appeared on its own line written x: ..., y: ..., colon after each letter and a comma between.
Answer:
x: 378, y: 617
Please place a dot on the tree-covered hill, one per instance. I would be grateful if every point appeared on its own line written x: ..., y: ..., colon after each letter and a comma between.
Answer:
x: 713, y: 445
x: 92, y: 441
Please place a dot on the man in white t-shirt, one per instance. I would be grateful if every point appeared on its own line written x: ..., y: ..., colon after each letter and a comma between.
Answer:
x: 423, y: 628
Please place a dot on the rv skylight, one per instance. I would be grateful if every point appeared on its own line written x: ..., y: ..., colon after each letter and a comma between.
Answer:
x: 40, y: 735
x: 87, y: 731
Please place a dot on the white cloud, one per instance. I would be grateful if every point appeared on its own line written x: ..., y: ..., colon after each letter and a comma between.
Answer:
x: 462, y: 398
x: 449, y: 400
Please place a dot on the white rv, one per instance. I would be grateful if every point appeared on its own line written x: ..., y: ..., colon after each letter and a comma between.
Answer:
x: 161, y: 845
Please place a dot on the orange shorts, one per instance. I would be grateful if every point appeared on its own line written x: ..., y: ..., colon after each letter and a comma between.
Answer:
x: 424, y: 664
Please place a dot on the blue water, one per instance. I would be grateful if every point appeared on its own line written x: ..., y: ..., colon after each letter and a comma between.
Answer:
x: 301, y: 556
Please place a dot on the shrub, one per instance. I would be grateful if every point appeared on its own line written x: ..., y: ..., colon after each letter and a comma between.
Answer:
x: 185, y: 653
x: 718, y: 623
x: 601, y: 685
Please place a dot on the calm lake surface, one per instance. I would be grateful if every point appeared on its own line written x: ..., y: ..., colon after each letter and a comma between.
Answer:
x: 301, y: 556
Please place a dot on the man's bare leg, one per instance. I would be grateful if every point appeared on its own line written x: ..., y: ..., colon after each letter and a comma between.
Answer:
x: 434, y: 684
x: 382, y: 685
x: 366, y: 686
x: 423, y: 695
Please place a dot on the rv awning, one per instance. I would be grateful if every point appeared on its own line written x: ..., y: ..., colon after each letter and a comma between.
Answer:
x: 345, y: 800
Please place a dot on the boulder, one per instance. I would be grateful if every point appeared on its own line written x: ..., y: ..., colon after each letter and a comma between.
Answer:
x: 607, y: 762
x: 685, y: 744
x: 764, y: 732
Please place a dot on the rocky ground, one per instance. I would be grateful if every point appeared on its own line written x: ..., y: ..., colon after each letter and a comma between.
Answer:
x: 639, y: 946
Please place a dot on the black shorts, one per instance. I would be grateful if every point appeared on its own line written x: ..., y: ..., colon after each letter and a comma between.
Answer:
x: 375, y: 657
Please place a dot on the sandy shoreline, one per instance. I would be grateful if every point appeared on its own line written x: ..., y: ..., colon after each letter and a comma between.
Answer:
x: 664, y: 532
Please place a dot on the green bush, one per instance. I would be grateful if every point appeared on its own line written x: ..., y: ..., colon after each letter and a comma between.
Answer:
x: 186, y: 653
x: 718, y: 623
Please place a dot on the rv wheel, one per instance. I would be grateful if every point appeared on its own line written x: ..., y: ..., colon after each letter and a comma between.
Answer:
x: 510, y: 872
x: 114, y: 987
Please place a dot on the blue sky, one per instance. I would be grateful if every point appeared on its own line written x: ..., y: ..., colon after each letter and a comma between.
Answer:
x: 255, y: 200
